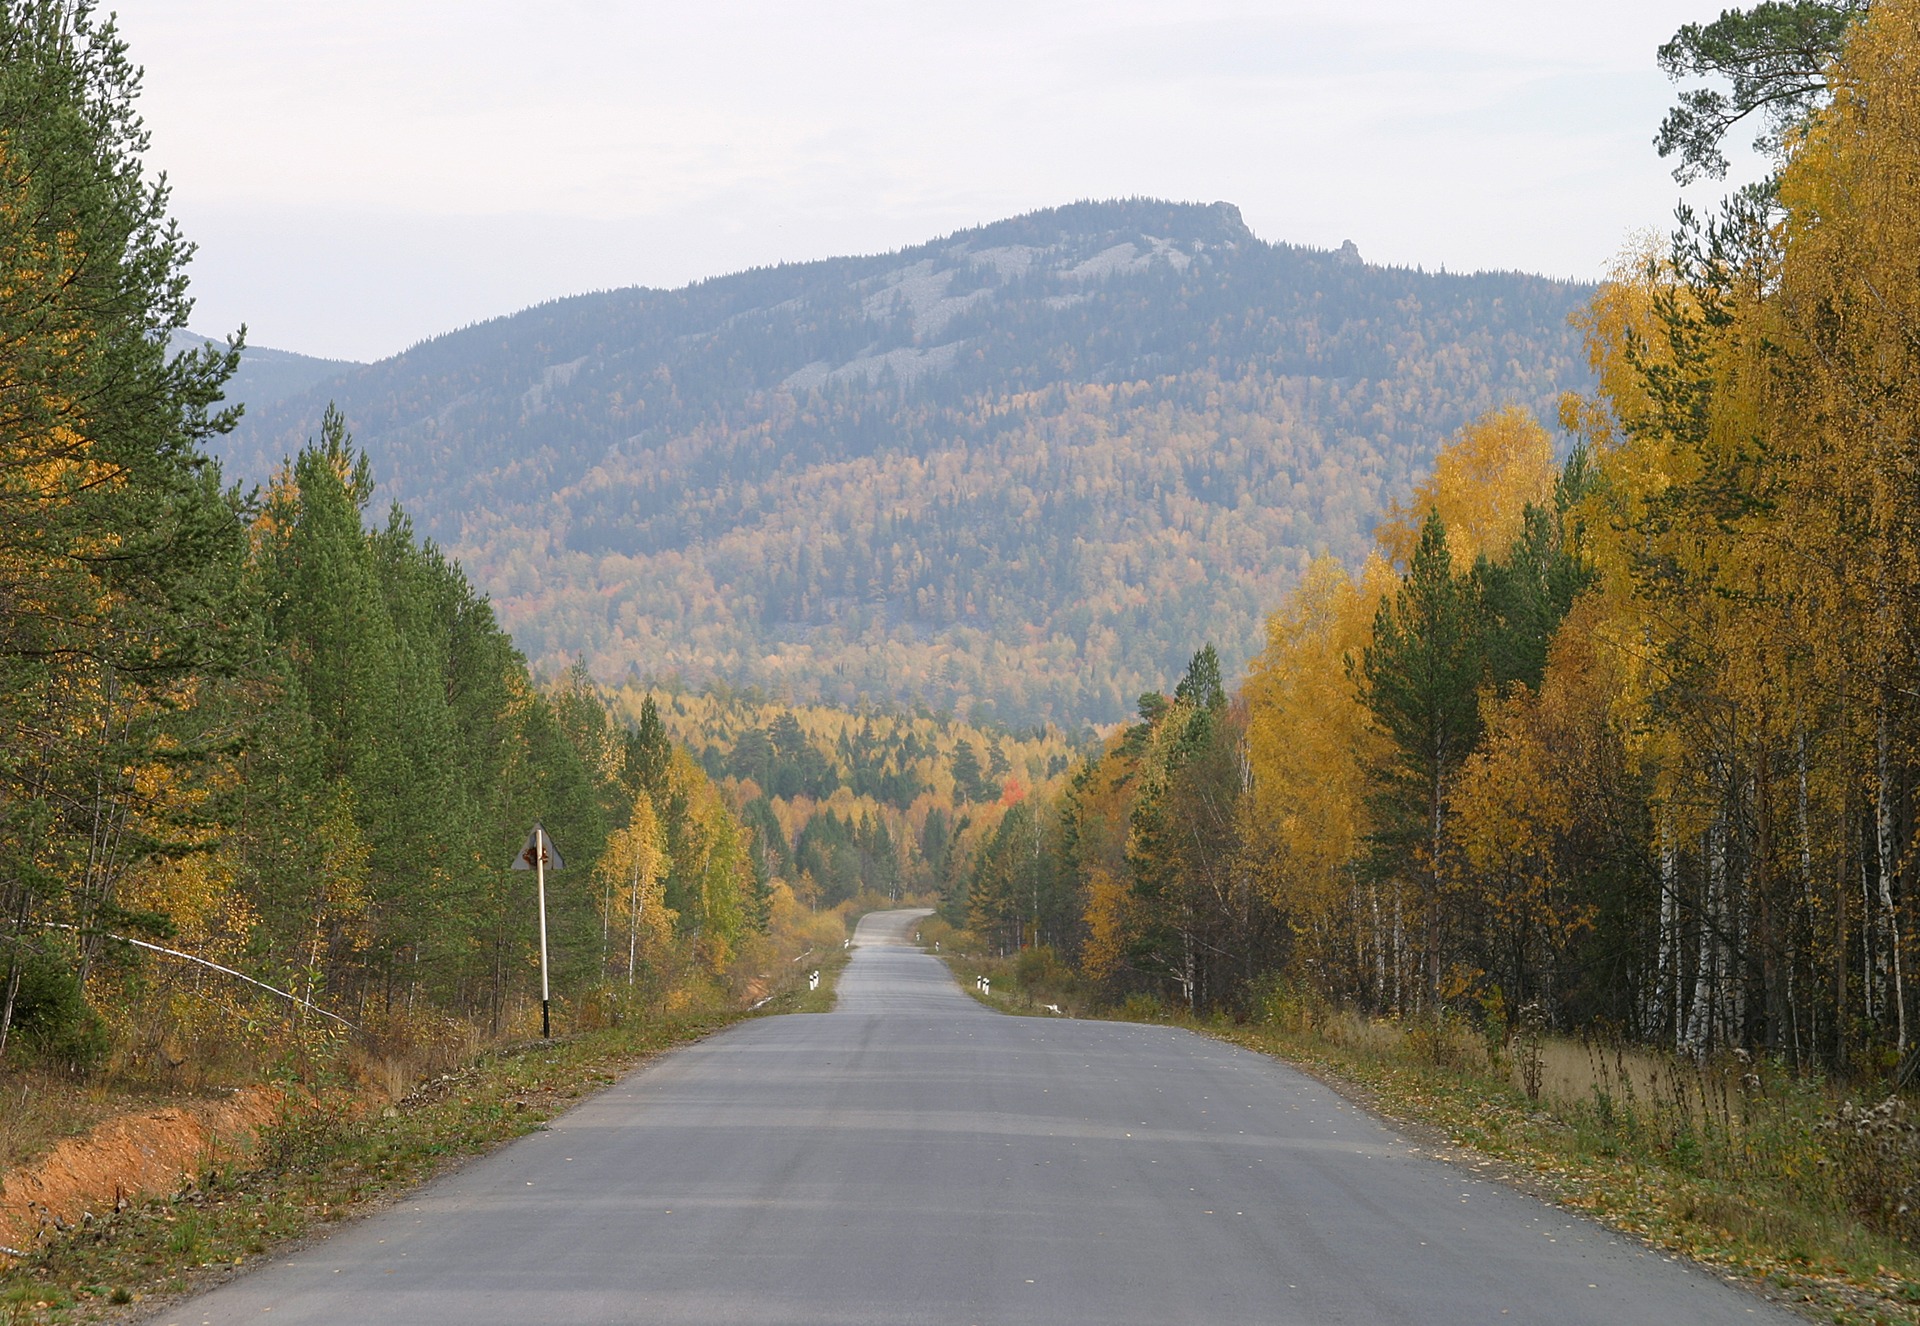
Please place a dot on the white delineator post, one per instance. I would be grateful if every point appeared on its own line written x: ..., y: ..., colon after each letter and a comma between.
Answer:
x: 540, y: 875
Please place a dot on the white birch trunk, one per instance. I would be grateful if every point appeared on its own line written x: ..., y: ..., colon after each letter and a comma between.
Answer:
x: 1889, y: 862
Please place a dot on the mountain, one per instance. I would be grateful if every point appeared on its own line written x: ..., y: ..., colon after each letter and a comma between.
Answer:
x: 1021, y: 472
x: 267, y: 376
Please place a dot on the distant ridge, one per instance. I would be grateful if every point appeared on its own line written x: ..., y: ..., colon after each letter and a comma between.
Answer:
x: 268, y: 376
x: 1020, y: 471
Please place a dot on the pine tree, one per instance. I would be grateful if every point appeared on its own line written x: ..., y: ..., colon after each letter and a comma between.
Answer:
x: 120, y: 556
x: 1419, y: 678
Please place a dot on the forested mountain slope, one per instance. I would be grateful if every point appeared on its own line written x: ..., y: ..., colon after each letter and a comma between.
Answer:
x: 1016, y: 471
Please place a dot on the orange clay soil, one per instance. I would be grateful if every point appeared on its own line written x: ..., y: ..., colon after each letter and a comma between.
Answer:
x: 128, y: 1157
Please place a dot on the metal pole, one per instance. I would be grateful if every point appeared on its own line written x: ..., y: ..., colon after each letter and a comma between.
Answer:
x: 540, y: 871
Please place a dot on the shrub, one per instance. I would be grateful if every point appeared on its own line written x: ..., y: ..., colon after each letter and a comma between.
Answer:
x: 1875, y: 1155
x: 1039, y: 969
x: 1296, y: 1010
x: 51, y: 1015
x: 1445, y: 1041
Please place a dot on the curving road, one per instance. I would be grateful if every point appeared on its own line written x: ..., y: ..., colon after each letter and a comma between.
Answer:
x: 912, y: 1157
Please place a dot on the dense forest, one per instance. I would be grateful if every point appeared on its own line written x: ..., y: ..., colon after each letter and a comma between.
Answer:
x: 1009, y: 473
x: 1629, y: 741
x: 272, y: 733
x: 844, y: 802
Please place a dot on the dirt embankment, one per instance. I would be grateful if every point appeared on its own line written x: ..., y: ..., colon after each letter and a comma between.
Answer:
x: 127, y: 1158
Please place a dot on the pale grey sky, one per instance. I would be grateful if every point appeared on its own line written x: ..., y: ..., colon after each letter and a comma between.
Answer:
x: 363, y: 175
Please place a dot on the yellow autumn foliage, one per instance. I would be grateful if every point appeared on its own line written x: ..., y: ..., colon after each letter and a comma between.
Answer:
x: 1309, y: 738
x: 630, y: 879
x: 1481, y: 484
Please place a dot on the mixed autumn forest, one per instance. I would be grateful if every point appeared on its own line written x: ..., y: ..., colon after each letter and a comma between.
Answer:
x: 1625, y: 740
x: 1220, y: 619
x: 1011, y: 474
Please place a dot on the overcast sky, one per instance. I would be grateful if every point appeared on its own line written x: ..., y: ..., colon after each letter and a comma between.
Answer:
x: 360, y: 175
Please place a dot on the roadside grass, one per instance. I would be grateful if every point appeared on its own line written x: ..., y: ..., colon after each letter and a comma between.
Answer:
x: 329, y: 1162
x: 1032, y: 983
x: 1732, y: 1166
x: 798, y: 999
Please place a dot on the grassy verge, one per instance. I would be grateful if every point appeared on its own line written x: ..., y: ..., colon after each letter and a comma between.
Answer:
x: 330, y: 1163
x: 1033, y: 983
x: 1754, y: 1204
x: 1004, y: 993
x: 829, y: 963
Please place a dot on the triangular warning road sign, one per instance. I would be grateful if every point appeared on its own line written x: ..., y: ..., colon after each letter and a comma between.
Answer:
x: 537, y: 842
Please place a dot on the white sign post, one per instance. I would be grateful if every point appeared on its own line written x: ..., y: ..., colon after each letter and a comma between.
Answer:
x: 538, y: 855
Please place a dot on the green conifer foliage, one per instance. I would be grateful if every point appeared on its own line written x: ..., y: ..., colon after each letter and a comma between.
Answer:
x: 1420, y: 678
x: 119, y: 554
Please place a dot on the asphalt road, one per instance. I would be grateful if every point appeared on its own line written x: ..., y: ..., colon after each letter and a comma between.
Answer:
x: 913, y: 1157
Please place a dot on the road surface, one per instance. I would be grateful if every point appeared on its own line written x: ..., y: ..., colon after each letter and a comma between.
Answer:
x: 913, y: 1157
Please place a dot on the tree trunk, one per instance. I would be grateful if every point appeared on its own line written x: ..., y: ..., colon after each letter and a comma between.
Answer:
x: 1889, y: 863
x: 1667, y: 982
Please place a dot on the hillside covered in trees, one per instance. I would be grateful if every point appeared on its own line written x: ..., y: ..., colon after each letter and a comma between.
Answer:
x: 1009, y: 473
x: 265, y: 375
